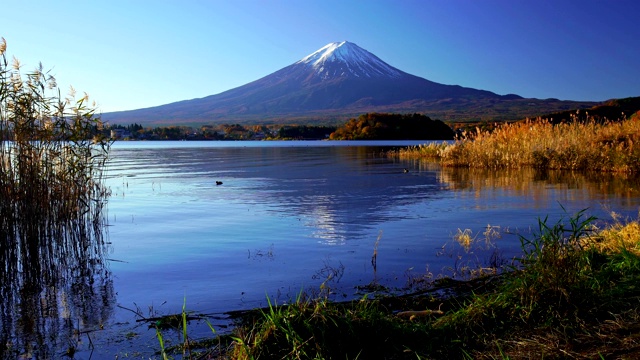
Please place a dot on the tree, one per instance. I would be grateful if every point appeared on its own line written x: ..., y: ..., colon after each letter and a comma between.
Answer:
x: 380, y: 126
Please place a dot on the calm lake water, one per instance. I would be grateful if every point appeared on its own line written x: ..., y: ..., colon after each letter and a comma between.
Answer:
x: 289, y: 216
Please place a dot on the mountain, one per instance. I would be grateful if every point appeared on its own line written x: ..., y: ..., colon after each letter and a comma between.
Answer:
x: 338, y: 81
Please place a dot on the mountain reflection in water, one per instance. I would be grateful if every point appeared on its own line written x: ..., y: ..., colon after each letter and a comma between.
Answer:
x: 289, y: 215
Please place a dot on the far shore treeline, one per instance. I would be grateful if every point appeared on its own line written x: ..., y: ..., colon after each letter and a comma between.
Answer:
x: 370, y: 126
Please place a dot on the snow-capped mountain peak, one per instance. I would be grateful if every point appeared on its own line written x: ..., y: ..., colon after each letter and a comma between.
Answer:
x: 339, y: 80
x: 345, y: 59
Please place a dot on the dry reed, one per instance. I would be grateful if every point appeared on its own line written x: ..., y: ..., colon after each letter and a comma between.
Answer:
x: 52, y: 198
x: 613, y: 146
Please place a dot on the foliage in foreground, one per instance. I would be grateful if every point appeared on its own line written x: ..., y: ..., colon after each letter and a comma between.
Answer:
x: 572, y: 294
x: 51, y: 213
x: 588, y: 145
x: 318, y: 329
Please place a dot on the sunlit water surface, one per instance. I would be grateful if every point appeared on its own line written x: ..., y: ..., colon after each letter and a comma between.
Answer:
x: 289, y: 216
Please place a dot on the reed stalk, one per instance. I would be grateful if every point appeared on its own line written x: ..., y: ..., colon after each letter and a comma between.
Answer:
x: 52, y: 197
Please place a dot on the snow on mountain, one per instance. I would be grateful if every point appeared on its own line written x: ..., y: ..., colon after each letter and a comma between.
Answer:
x: 345, y: 59
x: 335, y: 82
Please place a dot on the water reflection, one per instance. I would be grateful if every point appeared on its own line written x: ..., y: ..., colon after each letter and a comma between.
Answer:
x: 55, y: 288
x: 341, y: 192
x: 311, y: 208
x: 337, y: 191
x: 541, y: 185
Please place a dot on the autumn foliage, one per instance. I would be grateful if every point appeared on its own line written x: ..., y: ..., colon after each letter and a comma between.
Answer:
x: 377, y: 126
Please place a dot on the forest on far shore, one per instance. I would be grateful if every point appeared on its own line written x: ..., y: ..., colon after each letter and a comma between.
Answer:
x: 371, y: 126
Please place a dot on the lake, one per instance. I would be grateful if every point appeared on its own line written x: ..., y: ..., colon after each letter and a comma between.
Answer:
x: 292, y: 216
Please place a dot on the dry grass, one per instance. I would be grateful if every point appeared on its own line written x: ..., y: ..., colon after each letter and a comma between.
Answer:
x: 52, y: 198
x: 464, y: 238
x: 610, y: 146
x: 618, y: 236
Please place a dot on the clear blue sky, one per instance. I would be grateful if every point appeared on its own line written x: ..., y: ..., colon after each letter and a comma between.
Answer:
x: 141, y: 53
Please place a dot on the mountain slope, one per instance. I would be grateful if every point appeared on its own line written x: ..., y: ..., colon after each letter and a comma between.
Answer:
x: 336, y: 81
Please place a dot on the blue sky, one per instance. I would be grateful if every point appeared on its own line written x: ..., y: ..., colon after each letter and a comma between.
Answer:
x: 135, y: 54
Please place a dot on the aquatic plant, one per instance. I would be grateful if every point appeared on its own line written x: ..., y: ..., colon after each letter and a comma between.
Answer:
x: 187, y: 347
x: 319, y: 329
x: 52, y: 197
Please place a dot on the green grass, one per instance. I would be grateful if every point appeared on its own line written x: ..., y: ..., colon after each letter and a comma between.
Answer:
x: 565, y: 296
x: 172, y: 326
x: 319, y: 329
x: 572, y: 293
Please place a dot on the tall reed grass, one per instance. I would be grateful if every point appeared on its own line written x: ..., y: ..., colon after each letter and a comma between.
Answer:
x: 612, y: 146
x: 52, y: 198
